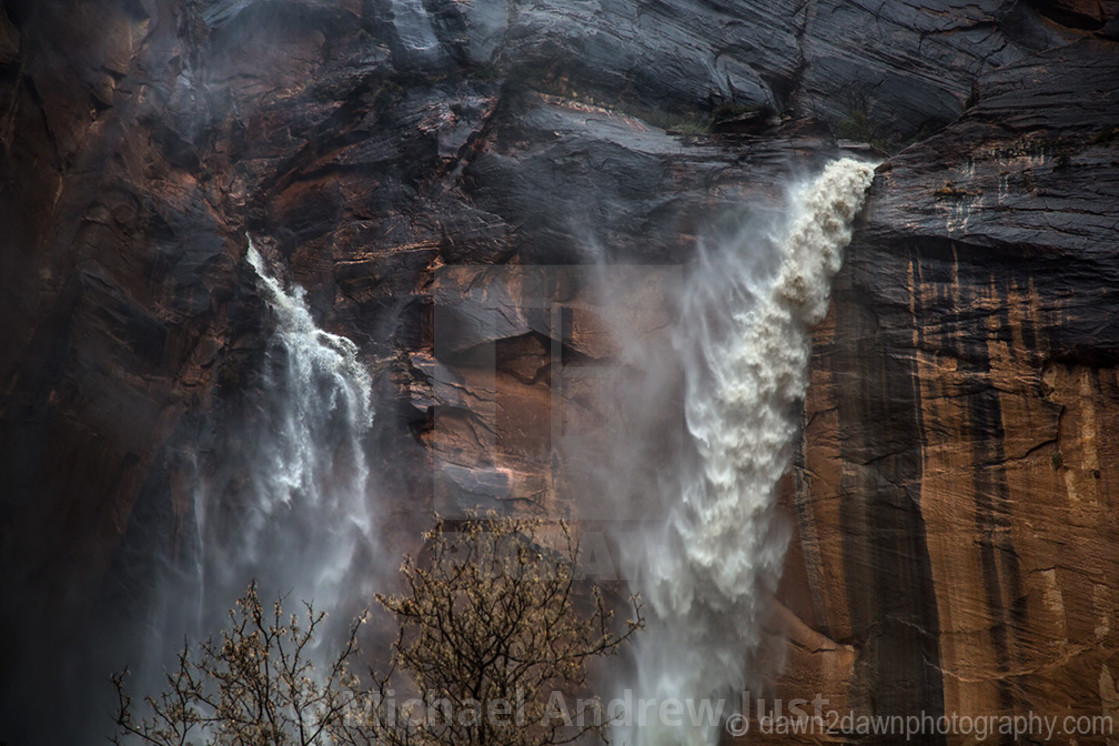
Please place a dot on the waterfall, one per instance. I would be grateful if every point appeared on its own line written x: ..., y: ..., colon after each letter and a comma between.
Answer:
x: 281, y: 495
x: 743, y: 339
x: 300, y: 522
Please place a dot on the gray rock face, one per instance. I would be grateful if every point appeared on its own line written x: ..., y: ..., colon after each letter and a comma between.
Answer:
x: 906, y: 67
x: 367, y: 144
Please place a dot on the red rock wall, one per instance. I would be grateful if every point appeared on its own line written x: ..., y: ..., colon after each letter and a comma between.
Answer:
x: 955, y: 486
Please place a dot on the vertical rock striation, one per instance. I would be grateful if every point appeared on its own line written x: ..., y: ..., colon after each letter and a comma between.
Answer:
x: 954, y: 489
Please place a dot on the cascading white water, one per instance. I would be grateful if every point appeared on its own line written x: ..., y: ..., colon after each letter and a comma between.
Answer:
x: 284, y: 497
x: 744, y: 343
x: 303, y: 525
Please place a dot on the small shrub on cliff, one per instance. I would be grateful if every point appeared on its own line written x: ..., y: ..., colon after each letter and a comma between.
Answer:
x: 860, y: 124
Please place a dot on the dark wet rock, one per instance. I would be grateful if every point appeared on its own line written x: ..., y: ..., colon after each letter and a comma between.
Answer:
x: 474, y: 487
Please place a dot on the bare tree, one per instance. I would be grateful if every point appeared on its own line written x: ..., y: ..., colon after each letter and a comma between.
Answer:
x: 255, y: 686
x: 494, y: 626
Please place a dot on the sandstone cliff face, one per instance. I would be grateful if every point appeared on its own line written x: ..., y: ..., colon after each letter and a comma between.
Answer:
x: 951, y: 498
x: 943, y: 426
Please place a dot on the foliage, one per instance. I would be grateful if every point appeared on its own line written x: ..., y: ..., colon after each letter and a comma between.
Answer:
x: 860, y: 124
x: 735, y: 110
x: 856, y: 126
x: 254, y: 686
x: 490, y: 627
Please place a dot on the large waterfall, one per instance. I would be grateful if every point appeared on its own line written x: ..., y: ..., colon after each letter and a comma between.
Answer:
x: 743, y: 341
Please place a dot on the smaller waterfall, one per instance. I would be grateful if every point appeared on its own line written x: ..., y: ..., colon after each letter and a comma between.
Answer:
x: 743, y: 341
x: 299, y: 518
x: 281, y: 495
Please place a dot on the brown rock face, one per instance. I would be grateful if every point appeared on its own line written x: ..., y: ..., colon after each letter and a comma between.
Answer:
x: 953, y: 493
x: 952, y: 496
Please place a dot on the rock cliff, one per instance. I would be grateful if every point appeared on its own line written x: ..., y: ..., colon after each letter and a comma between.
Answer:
x: 942, y: 426
x: 950, y: 498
